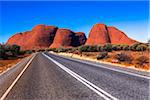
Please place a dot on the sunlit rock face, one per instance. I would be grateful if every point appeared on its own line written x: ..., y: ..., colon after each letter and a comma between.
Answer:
x: 101, y: 34
x: 119, y: 37
x: 41, y: 36
x: 98, y: 35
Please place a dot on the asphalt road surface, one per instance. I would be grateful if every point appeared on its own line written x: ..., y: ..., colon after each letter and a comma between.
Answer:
x: 51, y: 77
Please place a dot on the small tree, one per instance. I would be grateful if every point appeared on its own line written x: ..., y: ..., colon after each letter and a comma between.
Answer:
x: 125, y: 47
x: 116, y: 47
x: 99, y: 48
x: 92, y: 48
x: 83, y: 48
x: 133, y: 46
x: 123, y: 57
x: 141, y: 47
x: 15, y: 49
x: 2, y: 52
x: 107, y: 47
x: 102, y: 55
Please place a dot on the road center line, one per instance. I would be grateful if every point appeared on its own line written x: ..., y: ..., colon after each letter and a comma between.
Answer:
x: 18, y: 77
x: 90, y: 85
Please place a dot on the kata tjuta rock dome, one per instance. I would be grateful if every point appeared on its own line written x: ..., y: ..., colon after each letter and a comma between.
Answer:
x: 42, y: 36
x: 68, y: 38
x: 101, y: 34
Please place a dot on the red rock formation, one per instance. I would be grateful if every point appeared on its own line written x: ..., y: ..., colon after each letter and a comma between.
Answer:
x: 68, y: 38
x: 41, y: 36
x: 63, y: 38
x: 118, y: 37
x: 79, y: 39
x: 98, y: 35
x: 101, y: 34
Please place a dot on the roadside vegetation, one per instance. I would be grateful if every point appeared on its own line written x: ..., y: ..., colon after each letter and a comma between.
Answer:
x: 129, y: 55
x: 10, y: 55
x: 136, y: 55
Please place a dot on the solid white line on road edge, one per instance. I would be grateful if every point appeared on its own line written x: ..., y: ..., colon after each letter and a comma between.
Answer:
x: 117, y: 70
x: 18, y: 77
x: 90, y: 85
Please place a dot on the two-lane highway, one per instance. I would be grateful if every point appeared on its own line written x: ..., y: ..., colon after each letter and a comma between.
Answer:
x: 43, y: 80
x: 51, y: 77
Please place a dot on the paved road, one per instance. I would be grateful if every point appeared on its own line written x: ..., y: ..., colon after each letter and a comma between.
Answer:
x: 122, y: 86
x: 44, y: 80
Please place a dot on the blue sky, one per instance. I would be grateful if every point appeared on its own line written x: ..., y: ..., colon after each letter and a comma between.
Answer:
x: 129, y: 16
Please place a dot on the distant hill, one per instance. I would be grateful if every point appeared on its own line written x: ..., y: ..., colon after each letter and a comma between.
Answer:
x: 42, y: 36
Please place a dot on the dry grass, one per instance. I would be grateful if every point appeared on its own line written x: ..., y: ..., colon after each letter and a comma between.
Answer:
x: 111, y: 59
x: 5, y: 64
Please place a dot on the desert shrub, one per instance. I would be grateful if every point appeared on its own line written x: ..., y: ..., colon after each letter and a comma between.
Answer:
x: 142, y: 60
x: 99, y: 48
x: 83, y: 48
x: 125, y: 47
x: 22, y: 52
x: 72, y: 50
x: 41, y: 50
x: 133, y: 46
x: 15, y: 50
x: 9, y: 51
x: 107, y: 47
x: 148, y: 48
x: 2, y: 52
x: 52, y: 49
x: 88, y: 48
x: 102, y: 55
x: 92, y: 48
x: 123, y: 57
x: 141, y: 47
x: 117, y: 47
x: 61, y: 49
x: 29, y: 51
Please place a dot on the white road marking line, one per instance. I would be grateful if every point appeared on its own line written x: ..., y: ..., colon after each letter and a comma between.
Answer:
x: 117, y: 70
x: 18, y: 77
x: 90, y: 85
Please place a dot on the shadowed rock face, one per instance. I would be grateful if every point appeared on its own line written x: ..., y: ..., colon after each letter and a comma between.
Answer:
x: 41, y: 36
x: 67, y: 38
x: 79, y: 39
x: 101, y: 34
